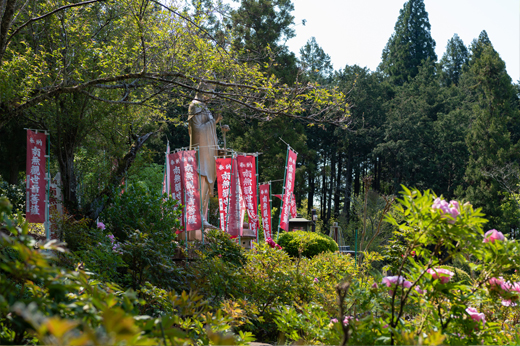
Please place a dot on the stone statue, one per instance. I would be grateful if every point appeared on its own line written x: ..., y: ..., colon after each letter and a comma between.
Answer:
x: 203, y: 134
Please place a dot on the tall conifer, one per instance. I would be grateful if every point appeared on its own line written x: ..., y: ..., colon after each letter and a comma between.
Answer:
x: 453, y: 61
x: 489, y: 140
x: 410, y: 44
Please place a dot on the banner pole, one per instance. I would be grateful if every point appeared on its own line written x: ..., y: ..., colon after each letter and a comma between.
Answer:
x: 200, y: 198
x: 184, y: 207
x: 47, y: 216
x: 229, y: 195
x: 283, y: 192
x: 239, y: 215
x: 257, y: 200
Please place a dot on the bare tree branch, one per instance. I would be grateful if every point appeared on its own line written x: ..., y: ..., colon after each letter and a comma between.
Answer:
x: 47, y: 15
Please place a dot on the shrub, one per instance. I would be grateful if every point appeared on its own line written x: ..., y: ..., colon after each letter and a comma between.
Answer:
x: 308, y: 243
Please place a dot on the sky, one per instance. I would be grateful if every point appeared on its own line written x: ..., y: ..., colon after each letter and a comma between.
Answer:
x: 356, y: 31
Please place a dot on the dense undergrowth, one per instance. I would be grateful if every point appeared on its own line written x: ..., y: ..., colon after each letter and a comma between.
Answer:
x: 440, y: 280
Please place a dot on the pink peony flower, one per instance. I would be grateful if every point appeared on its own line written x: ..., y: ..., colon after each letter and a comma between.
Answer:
x: 444, y: 275
x: 392, y: 281
x: 348, y: 319
x: 476, y: 316
x: 493, y: 235
x: 419, y: 290
x: 508, y: 302
x: 101, y: 226
x: 495, y: 283
x: 451, y: 209
x: 334, y: 320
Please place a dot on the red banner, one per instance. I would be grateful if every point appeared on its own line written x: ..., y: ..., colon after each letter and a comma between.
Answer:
x: 235, y: 216
x: 265, y: 206
x: 35, y: 165
x: 294, y: 211
x: 223, y: 186
x: 190, y: 180
x: 176, y: 184
x: 247, y: 173
x: 288, y: 190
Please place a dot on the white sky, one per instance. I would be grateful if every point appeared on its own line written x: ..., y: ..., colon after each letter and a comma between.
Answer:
x: 356, y: 31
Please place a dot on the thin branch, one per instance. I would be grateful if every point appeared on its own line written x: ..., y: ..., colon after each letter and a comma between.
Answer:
x: 47, y: 15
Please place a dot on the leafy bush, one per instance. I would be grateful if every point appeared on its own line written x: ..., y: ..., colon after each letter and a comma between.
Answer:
x: 42, y: 303
x: 15, y: 193
x: 309, y: 244
x: 144, y: 223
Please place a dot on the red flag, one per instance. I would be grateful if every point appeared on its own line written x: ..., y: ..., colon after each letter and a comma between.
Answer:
x: 288, y: 190
x: 234, y: 223
x: 35, y: 165
x: 176, y: 184
x: 265, y: 206
x: 190, y: 180
x: 247, y: 173
x: 223, y: 186
x: 294, y: 211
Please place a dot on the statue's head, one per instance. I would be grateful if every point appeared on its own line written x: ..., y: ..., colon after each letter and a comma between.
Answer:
x: 202, y: 96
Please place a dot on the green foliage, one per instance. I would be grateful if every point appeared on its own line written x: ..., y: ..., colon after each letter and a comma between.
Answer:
x: 410, y: 45
x: 144, y: 209
x: 41, y: 302
x: 144, y: 225
x: 219, y: 243
x: 309, y: 325
x: 14, y: 193
x: 453, y: 61
x: 491, y: 140
x: 308, y: 244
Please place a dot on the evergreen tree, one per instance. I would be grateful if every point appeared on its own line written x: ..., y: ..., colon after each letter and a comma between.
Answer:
x: 261, y: 28
x: 453, y: 61
x: 489, y: 140
x: 315, y: 62
x: 410, y: 44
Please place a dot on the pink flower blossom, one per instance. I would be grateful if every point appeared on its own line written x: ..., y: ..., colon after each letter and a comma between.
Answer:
x: 447, y: 209
x: 374, y: 285
x: 334, y: 320
x: 101, y: 226
x: 495, y: 283
x: 508, y: 302
x: 476, y: 316
x: 442, y: 274
x: 392, y: 281
x: 419, y: 290
x: 316, y: 280
x: 348, y: 319
x: 272, y: 243
x: 493, y: 235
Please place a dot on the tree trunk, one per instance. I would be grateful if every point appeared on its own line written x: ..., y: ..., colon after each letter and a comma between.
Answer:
x: 338, y: 187
x: 95, y: 208
x: 310, y: 193
x: 332, y: 182
x: 348, y: 185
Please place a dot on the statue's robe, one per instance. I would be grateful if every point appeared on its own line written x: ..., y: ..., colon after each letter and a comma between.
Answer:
x: 203, y: 134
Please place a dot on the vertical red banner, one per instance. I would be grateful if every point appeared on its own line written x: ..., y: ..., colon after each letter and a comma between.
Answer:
x: 223, y: 186
x: 234, y: 225
x: 265, y: 207
x: 294, y: 211
x: 288, y: 191
x: 35, y: 165
x: 176, y: 181
x: 247, y: 174
x: 190, y: 179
